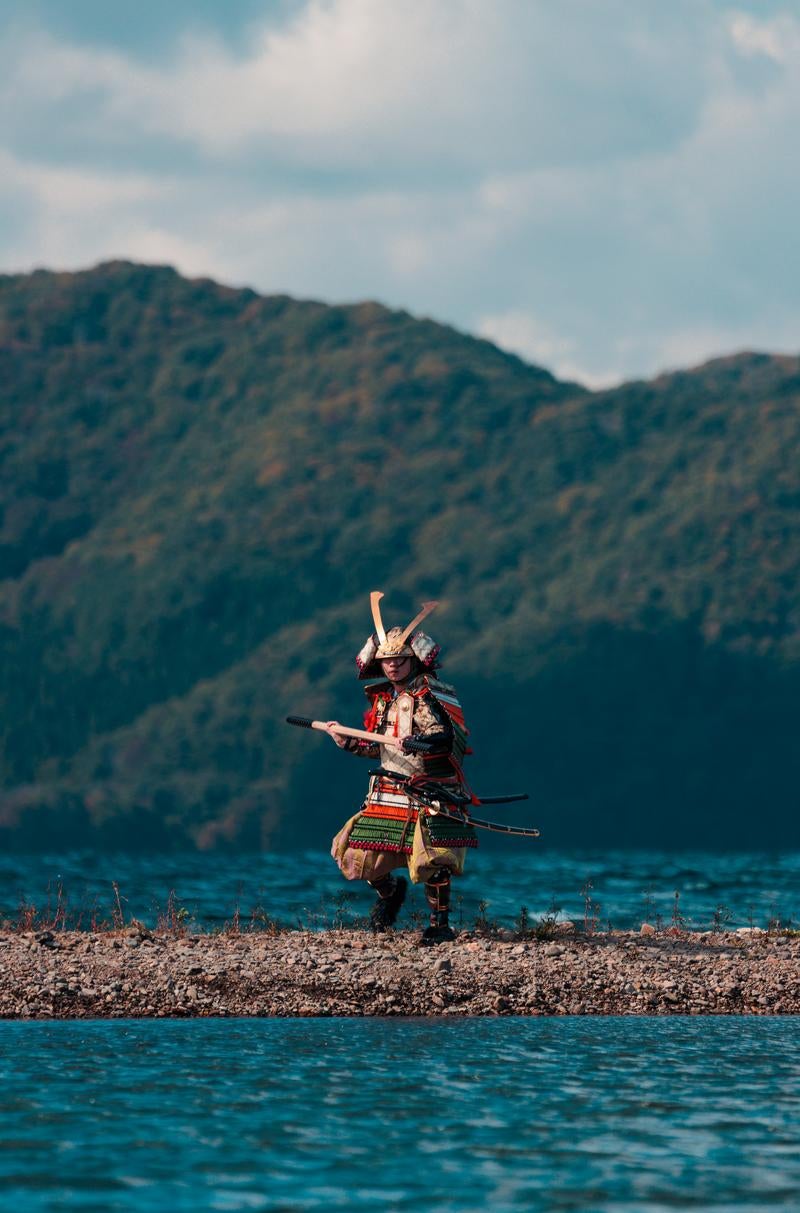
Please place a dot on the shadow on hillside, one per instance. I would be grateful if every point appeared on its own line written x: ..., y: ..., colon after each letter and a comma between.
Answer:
x: 622, y: 739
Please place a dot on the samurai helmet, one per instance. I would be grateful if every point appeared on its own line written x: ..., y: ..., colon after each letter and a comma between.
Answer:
x: 396, y: 642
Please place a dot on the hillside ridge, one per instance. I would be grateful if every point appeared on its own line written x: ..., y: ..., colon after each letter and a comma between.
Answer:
x: 201, y: 485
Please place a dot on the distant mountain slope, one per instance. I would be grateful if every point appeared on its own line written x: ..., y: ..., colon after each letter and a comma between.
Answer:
x: 200, y: 486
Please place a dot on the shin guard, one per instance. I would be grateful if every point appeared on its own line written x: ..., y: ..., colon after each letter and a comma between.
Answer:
x: 437, y: 892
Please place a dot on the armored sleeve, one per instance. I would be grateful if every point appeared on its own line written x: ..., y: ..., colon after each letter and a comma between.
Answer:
x: 443, y: 705
x: 361, y: 748
x: 433, y: 725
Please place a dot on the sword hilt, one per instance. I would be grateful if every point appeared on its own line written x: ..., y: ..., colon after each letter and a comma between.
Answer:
x: 416, y: 745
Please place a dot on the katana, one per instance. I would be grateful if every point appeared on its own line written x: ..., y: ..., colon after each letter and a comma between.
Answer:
x: 429, y: 798
x: 503, y: 799
x: 498, y: 827
x: 449, y: 794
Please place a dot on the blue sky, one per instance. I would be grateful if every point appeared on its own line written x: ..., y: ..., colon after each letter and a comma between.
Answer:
x: 608, y: 187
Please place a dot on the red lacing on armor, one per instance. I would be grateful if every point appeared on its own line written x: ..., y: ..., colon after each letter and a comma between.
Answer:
x: 371, y: 714
x: 379, y: 846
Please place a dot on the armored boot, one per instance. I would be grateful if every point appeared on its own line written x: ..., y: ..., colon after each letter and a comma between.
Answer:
x: 391, y: 892
x: 437, y: 891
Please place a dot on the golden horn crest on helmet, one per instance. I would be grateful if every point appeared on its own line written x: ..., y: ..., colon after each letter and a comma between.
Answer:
x: 427, y: 607
x: 394, y: 643
x: 375, y: 603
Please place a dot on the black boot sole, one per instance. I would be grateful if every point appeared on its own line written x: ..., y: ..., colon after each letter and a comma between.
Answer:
x: 433, y: 935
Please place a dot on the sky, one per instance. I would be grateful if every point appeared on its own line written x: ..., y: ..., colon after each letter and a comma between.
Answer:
x: 609, y: 188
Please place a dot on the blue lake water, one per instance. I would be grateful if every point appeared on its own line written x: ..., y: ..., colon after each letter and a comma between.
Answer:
x: 305, y: 888
x: 590, y: 1115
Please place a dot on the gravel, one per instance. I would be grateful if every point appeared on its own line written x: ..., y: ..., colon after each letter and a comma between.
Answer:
x: 137, y: 973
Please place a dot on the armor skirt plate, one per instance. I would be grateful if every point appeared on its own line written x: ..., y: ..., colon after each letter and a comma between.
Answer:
x: 392, y: 830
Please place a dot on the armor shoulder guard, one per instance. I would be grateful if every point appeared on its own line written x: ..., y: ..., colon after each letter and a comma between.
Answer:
x: 377, y: 688
x: 445, y: 697
x: 436, y: 686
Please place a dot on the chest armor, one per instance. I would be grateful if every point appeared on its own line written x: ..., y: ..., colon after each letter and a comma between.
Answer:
x: 395, y: 716
x: 397, y: 720
x: 400, y: 716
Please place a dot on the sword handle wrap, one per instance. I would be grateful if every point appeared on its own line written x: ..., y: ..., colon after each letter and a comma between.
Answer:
x: 417, y: 745
x: 302, y: 721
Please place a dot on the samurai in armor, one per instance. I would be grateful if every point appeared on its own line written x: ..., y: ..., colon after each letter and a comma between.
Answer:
x: 394, y: 828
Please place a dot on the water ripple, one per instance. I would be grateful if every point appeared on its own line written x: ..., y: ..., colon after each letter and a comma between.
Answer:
x: 588, y: 1114
x: 306, y: 888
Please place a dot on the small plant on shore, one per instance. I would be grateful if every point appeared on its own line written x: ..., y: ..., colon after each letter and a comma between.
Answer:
x: 310, y: 920
x: 261, y: 921
x: 547, y: 926
x: 96, y: 923
x: 481, y: 922
x: 27, y: 916
x: 721, y: 917
x: 343, y: 917
x: 234, y: 927
x: 174, y: 919
x: 591, y: 909
x: 679, y: 921
x: 117, y: 912
x: 649, y: 904
x: 56, y: 919
x: 522, y: 926
x: 53, y: 918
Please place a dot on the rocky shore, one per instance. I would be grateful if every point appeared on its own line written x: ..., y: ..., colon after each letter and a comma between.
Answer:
x: 138, y: 973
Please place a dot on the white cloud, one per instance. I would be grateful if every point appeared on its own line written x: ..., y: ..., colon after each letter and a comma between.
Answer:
x: 776, y: 39
x: 78, y: 191
x: 161, y: 246
x: 603, y: 188
x: 520, y: 332
x: 74, y: 217
x: 689, y: 347
x: 370, y: 82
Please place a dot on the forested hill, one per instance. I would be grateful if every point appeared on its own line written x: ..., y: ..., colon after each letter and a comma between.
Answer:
x: 200, y: 487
